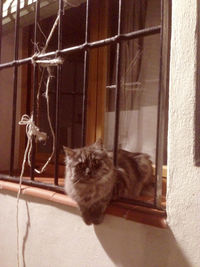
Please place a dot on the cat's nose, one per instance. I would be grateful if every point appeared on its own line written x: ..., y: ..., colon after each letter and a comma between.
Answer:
x: 87, y: 171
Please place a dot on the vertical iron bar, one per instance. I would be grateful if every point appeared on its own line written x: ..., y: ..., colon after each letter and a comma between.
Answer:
x: 74, y: 104
x: 29, y: 80
x: 117, y: 93
x: 163, y: 86
x: 59, y: 77
x: 35, y: 85
x: 15, y: 80
x: 1, y: 17
x: 85, y: 76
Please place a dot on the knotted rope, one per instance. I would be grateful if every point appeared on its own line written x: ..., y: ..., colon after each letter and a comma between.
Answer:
x: 31, y: 131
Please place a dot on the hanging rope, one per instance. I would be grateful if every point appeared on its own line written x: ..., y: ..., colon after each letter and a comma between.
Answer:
x: 33, y: 131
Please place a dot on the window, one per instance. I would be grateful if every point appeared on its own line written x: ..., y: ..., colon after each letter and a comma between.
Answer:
x: 112, y: 84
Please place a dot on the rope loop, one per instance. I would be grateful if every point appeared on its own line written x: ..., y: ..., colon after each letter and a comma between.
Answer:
x: 32, y: 129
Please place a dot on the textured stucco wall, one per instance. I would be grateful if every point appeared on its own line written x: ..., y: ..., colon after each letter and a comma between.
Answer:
x: 183, y: 197
x: 53, y: 235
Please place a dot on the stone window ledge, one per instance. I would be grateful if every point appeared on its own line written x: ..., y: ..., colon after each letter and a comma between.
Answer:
x: 135, y: 213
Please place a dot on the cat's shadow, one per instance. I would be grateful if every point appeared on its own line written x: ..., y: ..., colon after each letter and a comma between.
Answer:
x: 130, y: 244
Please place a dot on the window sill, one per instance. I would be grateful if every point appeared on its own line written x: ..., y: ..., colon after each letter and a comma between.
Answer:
x: 135, y: 213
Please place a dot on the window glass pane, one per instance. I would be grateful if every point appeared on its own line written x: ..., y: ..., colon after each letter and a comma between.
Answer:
x: 140, y: 66
x: 136, y: 15
x: 139, y: 97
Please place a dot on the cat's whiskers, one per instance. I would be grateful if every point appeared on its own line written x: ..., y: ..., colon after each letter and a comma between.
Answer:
x: 76, y: 182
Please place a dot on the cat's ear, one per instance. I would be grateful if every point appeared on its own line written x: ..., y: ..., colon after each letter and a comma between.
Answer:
x: 99, y: 144
x: 68, y: 151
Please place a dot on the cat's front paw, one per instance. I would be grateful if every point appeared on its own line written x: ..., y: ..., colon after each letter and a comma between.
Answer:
x: 93, y: 220
x: 92, y: 215
x: 87, y: 220
x: 98, y: 220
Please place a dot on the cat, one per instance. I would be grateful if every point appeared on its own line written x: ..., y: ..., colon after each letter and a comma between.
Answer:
x: 92, y: 180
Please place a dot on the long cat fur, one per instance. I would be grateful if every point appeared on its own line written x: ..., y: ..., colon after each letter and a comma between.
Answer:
x: 92, y: 180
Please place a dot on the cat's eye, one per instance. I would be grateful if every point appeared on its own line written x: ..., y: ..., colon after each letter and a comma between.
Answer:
x: 96, y: 163
x: 80, y: 166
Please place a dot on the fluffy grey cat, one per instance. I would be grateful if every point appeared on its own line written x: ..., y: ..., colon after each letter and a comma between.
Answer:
x: 92, y: 180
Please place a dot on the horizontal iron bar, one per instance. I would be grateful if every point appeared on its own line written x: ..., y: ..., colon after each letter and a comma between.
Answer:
x: 55, y: 188
x: 86, y: 46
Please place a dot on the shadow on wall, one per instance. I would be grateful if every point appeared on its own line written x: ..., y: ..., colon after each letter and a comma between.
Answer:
x: 130, y: 244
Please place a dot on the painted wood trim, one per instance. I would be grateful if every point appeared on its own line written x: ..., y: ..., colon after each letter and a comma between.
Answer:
x: 97, y: 72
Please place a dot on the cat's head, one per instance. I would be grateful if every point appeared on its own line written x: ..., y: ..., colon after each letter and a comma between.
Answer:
x: 87, y: 164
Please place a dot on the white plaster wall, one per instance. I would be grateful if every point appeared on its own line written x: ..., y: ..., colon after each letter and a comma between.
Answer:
x: 54, y: 236
x: 183, y: 197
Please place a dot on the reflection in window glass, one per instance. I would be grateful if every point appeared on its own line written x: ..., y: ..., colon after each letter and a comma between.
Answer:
x: 140, y: 63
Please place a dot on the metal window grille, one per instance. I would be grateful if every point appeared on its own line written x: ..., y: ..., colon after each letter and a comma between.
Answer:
x: 163, y: 30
